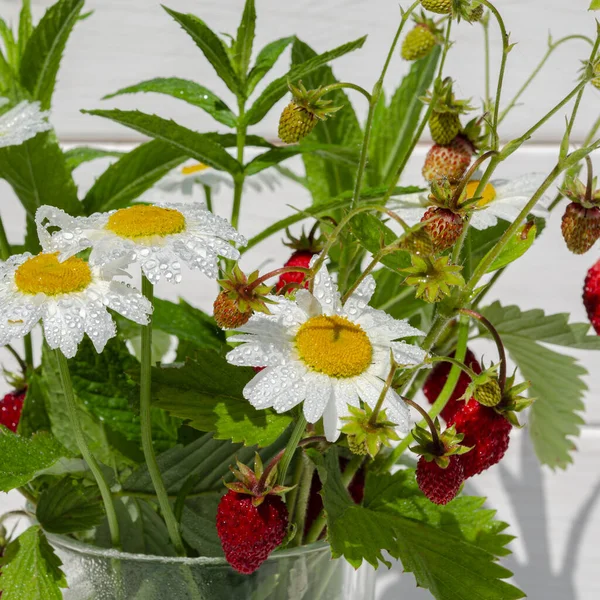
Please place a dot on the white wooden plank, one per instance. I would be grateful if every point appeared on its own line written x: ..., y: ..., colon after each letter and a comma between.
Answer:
x: 126, y: 42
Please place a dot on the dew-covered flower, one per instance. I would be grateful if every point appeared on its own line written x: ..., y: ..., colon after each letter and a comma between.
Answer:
x: 325, y: 354
x: 159, y: 237
x: 185, y: 179
x: 501, y: 199
x: 70, y: 298
x: 22, y: 122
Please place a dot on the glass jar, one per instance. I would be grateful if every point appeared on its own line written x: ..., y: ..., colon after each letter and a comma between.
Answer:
x: 307, y: 573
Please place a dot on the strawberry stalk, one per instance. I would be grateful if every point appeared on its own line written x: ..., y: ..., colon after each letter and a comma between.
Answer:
x: 275, y: 273
x: 428, y: 420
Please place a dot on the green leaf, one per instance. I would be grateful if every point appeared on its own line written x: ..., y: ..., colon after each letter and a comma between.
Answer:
x: 183, y: 89
x: 395, y: 126
x: 188, y: 324
x: 38, y: 173
x: 25, y: 26
x: 556, y: 379
x: 242, y: 47
x: 44, y: 50
x: 34, y: 416
x: 595, y: 5
x: 198, y: 525
x: 265, y: 61
x: 83, y: 154
x: 278, y: 88
x: 133, y: 174
x: 208, y: 392
x: 211, y: 46
x: 329, y: 152
x: 328, y: 179
x: 23, y: 458
x: 70, y: 505
x: 518, y: 244
x: 373, y: 234
x: 193, y: 144
x: 12, y: 48
x: 30, y: 569
x: 451, y: 550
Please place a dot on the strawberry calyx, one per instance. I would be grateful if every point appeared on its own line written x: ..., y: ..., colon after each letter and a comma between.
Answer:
x: 434, y: 445
x: 365, y: 436
x: 433, y: 277
x: 306, y: 243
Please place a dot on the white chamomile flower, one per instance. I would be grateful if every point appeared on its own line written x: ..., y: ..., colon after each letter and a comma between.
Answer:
x: 158, y: 237
x: 21, y: 123
x: 70, y: 298
x: 501, y: 199
x: 325, y: 354
x: 192, y: 175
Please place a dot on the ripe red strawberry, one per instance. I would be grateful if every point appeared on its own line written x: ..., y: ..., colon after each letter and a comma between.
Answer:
x: 10, y: 409
x: 580, y: 227
x: 486, y: 431
x: 250, y: 533
x: 300, y: 258
x: 437, y: 379
x: 438, y: 484
x: 444, y: 227
x: 450, y: 162
x: 591, y: 296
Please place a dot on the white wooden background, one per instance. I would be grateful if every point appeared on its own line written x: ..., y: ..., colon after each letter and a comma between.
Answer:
x: 555, y: 515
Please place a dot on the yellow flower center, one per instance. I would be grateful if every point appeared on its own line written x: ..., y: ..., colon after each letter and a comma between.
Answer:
x: 334, y: 346
x: 191, y: 169
x: 142, y: 221
x: 488, y: 194
x: 45, y: 274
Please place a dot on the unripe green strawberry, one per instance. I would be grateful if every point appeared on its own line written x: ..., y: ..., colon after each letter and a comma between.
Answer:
x: 442, y: 7
x: 227, y: 313
x: 418, y: 242
x: 488, y: 393
x: 580, y: 227
x: 443, y: 226
x: 418, y: 43
x: 474, y: 15
x: 357, y: 445
x: 444, y: 126
x: 450, y: 162
x: 295, y: 123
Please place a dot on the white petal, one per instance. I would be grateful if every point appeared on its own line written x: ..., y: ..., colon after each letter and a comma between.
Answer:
x: 319, y: 392
x: 64, y: 326
x: 407, y: 354
x: 331, y: 421
x: 262, y: 391
x: 99, y: 325
x: 326, y: 292
x: 483, y: 219
x: 128, y: 302
x: 397, y: 411
x: 22, y: 123
x: 260, y: 353
x: 359, y: 300
x: 378, y: 323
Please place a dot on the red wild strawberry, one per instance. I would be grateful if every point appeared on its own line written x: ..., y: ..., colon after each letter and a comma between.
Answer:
x: 437, y: 379
x: 444, y: 227
x: 10, y: 409
x: 438, y: 484
x: 591, y: 296
x: 250, y: 533
x: 486, y: 432
x: 300, y: 258
x: 450, y: 162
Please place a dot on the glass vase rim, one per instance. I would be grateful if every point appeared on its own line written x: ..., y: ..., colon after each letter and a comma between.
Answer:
x: 70, y: 544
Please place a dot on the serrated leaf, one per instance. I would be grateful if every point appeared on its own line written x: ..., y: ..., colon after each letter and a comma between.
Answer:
x: 25, y: 26
x: 326, y: 178
x: 133, y: 174
x: 186, y: 90
x: 265, y: 61
x: 394, y: 126
x: 30, y: 569
x: 518, y: 244
x: 208, y: 392
x: 198, y: 525
x: 278, y: 88
x: 76, y: 157
x: 23, y: 458
x: 556, y: 379
x: 451, y: 550
x: 211, y: 46
x: 44, y: 50
x: 38, y: 173
x: 34, y: 416
x: 329, y: 152
x: 10, y: 44
x: 242, y: 48
x: 193, y: 144
x: 69, y: 505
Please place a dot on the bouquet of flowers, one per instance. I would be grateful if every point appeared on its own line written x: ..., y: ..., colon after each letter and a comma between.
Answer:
x: 280, y: 426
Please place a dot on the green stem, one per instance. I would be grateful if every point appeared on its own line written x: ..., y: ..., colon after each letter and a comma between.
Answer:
x: 208, y: 197
x: 551, y: 48
x: 5, y: 249
x: 290, y: 449
x: 238, y: 180
x: 28, y: 346
x: 17, y: 356
x: 319, y: 524
x: 344, y: 84
x: 486, y: 39
x: 71, y: 405
x: 302, y: 498
x: 453, y: 361
x: 146, y: 428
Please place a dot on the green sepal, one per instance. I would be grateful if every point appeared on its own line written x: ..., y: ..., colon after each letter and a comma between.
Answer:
x: 433, y: 278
